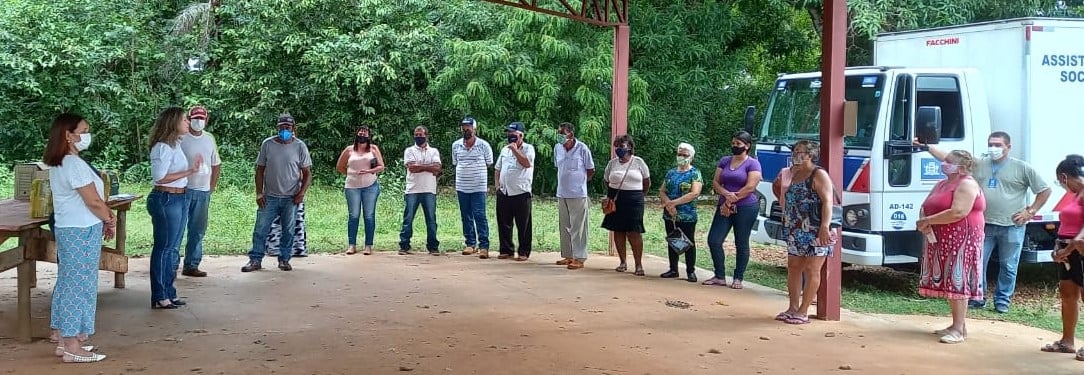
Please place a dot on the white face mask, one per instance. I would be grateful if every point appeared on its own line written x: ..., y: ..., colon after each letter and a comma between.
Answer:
x: 84, y: 142
x: 995, y: 152
x: 197, y: 124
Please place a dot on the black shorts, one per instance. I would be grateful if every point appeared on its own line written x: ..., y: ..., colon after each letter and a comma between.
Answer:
x: 1075, y: 271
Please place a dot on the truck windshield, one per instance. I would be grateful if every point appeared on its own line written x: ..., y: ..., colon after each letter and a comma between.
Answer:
x: 794, y: 110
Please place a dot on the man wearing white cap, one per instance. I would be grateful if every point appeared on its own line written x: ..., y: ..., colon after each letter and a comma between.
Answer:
x: 198, y: 143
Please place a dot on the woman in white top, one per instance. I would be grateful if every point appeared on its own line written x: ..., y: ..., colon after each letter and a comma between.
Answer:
x: 627, y: 178
x: 167, y: 203
x: 360, y: 162
x: 82, y: 220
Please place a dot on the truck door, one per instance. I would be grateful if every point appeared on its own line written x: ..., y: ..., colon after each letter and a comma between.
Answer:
x: 909, y: 176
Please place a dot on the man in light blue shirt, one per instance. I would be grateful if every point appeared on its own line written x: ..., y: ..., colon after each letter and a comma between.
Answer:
x: 574, y: 167
x: 472, y: 157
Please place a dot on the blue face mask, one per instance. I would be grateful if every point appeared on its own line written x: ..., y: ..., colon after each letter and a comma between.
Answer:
x: 286, y: 135
x: 621, y: 152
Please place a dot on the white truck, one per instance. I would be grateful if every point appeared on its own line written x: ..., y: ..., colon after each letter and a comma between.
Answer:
x: 1022, y: 76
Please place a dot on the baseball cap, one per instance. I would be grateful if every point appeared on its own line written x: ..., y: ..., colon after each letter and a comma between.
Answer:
x: 285, y: 118
x: 516, y: 127
x: 198, y: 112
x: 469, y: 121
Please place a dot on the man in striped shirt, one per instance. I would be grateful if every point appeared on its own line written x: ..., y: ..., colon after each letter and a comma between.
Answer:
x: 472, y: 157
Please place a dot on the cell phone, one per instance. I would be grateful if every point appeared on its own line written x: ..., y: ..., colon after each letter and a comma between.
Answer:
x: 373, y: 163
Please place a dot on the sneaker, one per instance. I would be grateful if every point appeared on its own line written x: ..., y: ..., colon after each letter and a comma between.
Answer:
x: 285, y: 265
x: 1001, y: 309
x: 469, y: 251
x: 194, y: 272
x: 252, y: 266
x: 564, y: 262
x: 484, y: 254
x: 976, y: 304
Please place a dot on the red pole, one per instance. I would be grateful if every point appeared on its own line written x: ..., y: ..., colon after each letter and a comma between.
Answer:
x: 833, y: 61
x: 620, y: 96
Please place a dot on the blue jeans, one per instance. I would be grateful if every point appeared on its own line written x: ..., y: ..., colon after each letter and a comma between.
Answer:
x: 428, y: 201
x: 742, y: 222
x: 198, y: 202
x: 472, y: 209
x: 283, y: 209
x: 361, y: 201
x: 168, y: 214
x: 1009, y: 242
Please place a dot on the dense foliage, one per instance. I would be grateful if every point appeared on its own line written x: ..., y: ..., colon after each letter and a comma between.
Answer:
x: 393, y: 65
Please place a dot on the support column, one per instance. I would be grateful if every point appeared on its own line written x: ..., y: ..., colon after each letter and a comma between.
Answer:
x: 833, y: 61
x: 620, y: 96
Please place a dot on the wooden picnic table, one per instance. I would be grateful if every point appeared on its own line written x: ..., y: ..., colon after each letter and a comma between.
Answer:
x: 38, y: 244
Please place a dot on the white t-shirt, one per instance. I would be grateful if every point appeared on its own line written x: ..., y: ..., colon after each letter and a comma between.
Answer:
x: 68, y: 206
x: 206, y: 146
x: 166, y: 159
x: 515, y: 179
x: 636, y: 169
x: 422, y: 182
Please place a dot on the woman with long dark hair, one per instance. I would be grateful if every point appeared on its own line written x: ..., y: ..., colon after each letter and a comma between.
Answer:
x: 82, y: 220
x: 361, y: 162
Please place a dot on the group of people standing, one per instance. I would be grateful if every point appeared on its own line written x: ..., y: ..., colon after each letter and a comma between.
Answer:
x: 982, y: 204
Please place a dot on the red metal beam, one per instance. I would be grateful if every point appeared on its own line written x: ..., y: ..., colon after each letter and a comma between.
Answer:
x: 833, y: 61
x: 591, y: 11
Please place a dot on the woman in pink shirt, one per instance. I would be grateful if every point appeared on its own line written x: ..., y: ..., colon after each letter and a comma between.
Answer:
x: 1070, y: 245
x: 360, y: 163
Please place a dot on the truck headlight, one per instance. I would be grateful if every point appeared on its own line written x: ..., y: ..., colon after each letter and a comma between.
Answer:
x: 856, y: 216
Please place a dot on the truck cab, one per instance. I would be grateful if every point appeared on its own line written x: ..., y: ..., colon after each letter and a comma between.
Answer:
x: 885, y: 176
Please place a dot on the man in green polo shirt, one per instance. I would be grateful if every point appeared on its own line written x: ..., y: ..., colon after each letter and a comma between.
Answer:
x: 1005, y: 181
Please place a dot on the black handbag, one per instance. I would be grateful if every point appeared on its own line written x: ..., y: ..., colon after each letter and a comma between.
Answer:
x: 677, y: 241
x: 836, y: 220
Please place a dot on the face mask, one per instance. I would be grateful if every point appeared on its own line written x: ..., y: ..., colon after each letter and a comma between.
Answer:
x: 467, y: 134
x: 795, y: 160
x: 419, y: 141
x: 361, y: 139
x: 513, y: 138
x: 561, y: 139
x: 621, y: 152
x: 197, y: 124
x: 84, y: 142
x: 995, y: 152
x: 949, y: 168
x: 737, y: 150
x: 682, y: 161
x: 285, y: 135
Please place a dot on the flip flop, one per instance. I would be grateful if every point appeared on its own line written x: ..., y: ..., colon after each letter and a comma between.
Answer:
x: 714, y: 281
x: 736, y: 284
x: 953, y: 337
x: 796, y: 320
x: 351, y: 252
x: 1058, y: 347
x: 367, y: 252
x: 782, y: 316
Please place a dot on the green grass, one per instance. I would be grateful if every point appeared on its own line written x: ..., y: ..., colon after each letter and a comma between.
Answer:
x: 866, y: 289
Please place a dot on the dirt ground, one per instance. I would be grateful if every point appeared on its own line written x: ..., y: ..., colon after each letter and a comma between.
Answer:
x: 391, y: 314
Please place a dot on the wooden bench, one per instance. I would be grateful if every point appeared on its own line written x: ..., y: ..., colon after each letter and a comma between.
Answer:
x: 37, y: 244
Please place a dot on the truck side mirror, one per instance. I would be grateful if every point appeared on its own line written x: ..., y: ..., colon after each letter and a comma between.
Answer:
x: 928, y: 125
x: 750, y: 119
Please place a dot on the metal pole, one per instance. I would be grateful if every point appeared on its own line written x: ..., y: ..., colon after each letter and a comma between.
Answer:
x: 833, y: 61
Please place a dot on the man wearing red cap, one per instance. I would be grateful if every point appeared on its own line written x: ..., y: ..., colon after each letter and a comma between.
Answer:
x: 201, y: 144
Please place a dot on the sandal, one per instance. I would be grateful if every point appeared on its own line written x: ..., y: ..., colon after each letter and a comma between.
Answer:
x: 639, y: 272
x: 717, y: 281
x: 1058, y: 347
x: 622, y: 268
x: 782, y: 316
x: 368, y: 251
x: 952, y: 337
x: 794, y: 319
x: 351, y: 251
x: 736, y: 284
x: 1080, y: 354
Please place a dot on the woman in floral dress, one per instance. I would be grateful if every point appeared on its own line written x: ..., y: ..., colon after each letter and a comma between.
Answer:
x: 951, y: 219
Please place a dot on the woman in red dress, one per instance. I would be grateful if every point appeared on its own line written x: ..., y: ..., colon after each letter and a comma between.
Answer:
x: 952, y: 221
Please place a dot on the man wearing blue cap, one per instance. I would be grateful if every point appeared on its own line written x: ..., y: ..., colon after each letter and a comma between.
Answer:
x: 472, y: 157
x: 283, y: 174
x: 514, y: 176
